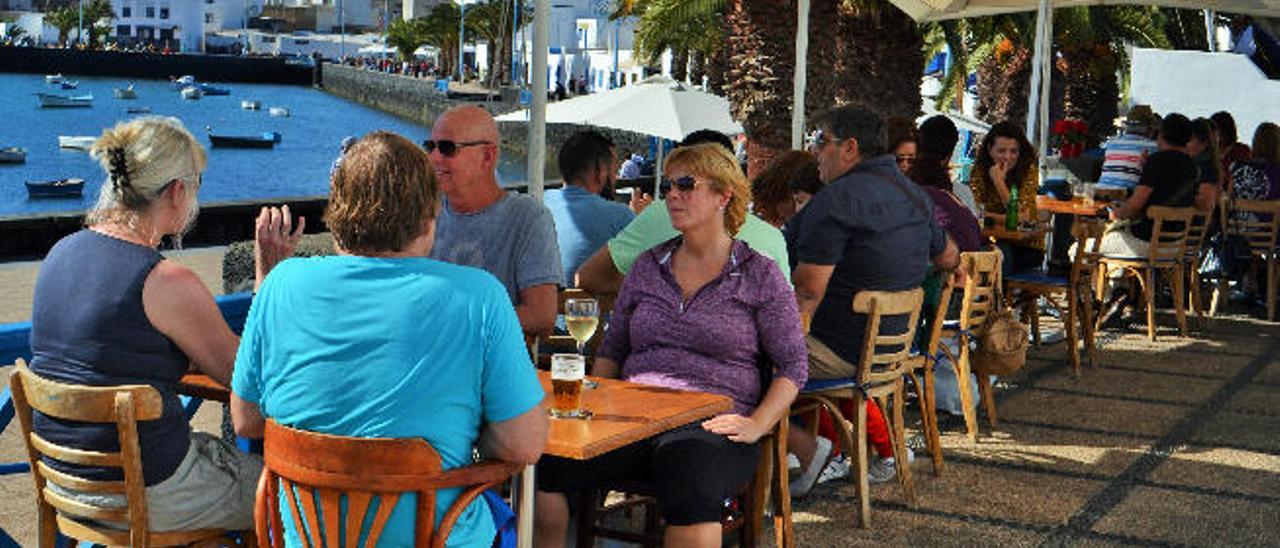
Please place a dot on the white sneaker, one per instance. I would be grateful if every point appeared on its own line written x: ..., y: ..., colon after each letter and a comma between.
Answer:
x: 836, y: 469
x: 803, y: 484
x: 793, y: 462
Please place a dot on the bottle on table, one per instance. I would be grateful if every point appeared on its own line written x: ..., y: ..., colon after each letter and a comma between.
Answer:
x: 1011, y: 210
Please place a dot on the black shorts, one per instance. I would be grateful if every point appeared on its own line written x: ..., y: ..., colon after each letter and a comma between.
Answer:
x: 693, y: 470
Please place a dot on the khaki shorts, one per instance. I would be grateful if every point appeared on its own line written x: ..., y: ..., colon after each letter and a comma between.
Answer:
x: 824, y: 364
x: 213, y: 488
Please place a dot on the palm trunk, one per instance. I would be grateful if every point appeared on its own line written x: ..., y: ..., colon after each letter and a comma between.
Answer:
x: 881, y: 60
x: 760, y: 50
x: 680, y: 64
x: 697, y: 67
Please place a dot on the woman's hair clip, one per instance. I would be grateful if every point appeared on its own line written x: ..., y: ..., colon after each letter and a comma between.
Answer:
x: 119, y: 168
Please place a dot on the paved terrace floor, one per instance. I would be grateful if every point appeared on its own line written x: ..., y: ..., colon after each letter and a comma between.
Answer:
x: 1172, y: 443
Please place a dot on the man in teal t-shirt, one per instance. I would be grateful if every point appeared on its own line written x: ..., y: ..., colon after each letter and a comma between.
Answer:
x: 389, y: 347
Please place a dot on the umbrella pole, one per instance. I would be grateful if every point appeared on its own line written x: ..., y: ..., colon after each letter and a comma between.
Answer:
x: 657, y: 171
x: 537, y: 144
x: 800, y: 81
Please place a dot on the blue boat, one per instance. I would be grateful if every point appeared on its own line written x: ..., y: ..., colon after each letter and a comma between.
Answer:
x: 60, y: 188
x: 210, y: 89
x: 265, y: 140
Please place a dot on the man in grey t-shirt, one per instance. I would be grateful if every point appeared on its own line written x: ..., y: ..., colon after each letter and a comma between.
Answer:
x: 511, y: 236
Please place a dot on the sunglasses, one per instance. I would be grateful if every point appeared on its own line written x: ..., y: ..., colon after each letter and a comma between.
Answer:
x: 450, y: 149
x: 683, y: 184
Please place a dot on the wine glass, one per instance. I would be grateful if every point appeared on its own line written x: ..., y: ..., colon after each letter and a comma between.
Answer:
x: 581, y: 317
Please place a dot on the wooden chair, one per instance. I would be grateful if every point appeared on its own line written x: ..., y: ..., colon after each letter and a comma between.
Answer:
x: 978, y: 302
x: 1196, y: 232
x: 124, y: 406
x: 1167, y: 251
x: 768, y: 486
x: 886, y: 359
x: 316, y: 471
x: 1074, y: 288
x: 922, y: 377
x: 1260, y: 229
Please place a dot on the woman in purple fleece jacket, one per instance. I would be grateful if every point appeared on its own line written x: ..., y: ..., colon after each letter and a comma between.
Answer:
x: 698, y: 312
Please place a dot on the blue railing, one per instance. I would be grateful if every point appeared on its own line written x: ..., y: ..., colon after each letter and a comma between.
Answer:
x: 14, y: 345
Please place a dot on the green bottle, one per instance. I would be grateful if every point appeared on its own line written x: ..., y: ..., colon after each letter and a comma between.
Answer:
x: 1011, y: 210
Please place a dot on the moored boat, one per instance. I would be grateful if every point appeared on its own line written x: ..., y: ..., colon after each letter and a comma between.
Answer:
x: 59, y: 188
x: 53, y: 78
x: 192, y: 92
x: 210, y: 89
x: 53, y: 100
x: 278, y: 112
x: 76, y: 142
x: 265, y: 140
x: 13, y: 155
x: 138, y: 110
x: 126, y: 93
x: 68, y: 84
x: 184, y: 81
x: 248, y: 104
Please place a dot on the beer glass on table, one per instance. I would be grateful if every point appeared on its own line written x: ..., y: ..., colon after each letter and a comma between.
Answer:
x: 567, y: 374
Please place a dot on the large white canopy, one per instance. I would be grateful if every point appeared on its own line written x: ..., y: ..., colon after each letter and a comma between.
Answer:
x: 935, y: 10
x: 655, y: 106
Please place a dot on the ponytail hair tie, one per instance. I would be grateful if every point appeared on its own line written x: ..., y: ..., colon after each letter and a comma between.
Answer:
x: 119, y: 168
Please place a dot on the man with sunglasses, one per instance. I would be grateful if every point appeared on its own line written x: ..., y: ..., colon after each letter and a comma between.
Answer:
x: 510, y: 235
x: 869, y: 229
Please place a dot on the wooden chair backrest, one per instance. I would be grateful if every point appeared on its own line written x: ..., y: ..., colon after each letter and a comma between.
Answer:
x: 1260, y: 228
x: 884, y: 356
x: 1196, y: 231
x: 122, y: 405
x: 1169, y: 229
x: 316, y: 471
x: 981, y: 289
x: 1087, y: 232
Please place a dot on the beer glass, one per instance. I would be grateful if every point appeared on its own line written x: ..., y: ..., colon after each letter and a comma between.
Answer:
x: 567, y: 373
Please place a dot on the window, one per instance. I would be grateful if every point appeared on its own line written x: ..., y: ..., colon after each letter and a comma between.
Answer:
x: 151, y: 12
x: 208, y: 18
x: 123, y: 30
x: 164, y: 13
x: 126, y: 12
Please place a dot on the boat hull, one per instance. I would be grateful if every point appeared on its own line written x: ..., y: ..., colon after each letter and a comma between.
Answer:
x: 126, y: 93
x: 13, y: 155
x: 62, y: 188
x: 76, y: 143
x: 228, y: 141
x: 62, y: 101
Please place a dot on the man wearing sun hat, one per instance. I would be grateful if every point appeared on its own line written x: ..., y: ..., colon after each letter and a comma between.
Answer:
x: 1124, y: 154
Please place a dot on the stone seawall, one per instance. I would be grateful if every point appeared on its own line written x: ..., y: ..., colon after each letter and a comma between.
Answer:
x: 417, y: 100
x: 218, y: 68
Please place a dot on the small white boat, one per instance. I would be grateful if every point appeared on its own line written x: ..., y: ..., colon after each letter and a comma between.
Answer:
x: 250, y: 105
x: 51, y: 100
x: 278, y: 112
x: 13, y: 155
x: 192, y: 92
x: 185, y: 81
x: 126, y: 93
x: 53, y: 78
x: 76, y: 142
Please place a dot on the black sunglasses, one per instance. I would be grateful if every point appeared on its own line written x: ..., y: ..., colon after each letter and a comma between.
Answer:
x: 683, y: 184
x: 450, y: 148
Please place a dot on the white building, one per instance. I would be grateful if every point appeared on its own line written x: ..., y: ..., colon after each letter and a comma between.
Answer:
x: 229, y: 14
x: 584, y: 43
x: 331, y: 14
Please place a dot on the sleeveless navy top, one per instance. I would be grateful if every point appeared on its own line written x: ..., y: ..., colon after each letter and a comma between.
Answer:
x: 88, y: 327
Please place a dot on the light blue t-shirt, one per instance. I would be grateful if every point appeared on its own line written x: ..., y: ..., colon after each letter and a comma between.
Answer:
x: 514, y: 239
x: 584, y: 224
x: 396, y: 348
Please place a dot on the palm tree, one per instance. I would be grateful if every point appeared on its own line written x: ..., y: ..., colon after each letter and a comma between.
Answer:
x: 760, y: 49
x: 440, y: 30
x: 683, y: 27
x: 98, y: 14
x: 406, y: 35
x: 880, y: 58
x: 492, y: 21
x: 63, y: 19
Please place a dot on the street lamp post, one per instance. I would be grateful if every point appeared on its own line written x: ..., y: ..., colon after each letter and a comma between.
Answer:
x: 462, y: 24
x: 80, y: 25
x: 342, y: 31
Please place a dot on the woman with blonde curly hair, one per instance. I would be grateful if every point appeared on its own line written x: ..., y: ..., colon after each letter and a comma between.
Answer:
x: 698, y: 312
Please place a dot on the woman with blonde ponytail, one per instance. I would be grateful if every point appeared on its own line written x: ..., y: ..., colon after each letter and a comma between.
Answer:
x: 110, y: 309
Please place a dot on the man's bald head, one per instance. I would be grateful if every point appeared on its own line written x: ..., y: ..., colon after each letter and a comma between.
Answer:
x: 465, y: 123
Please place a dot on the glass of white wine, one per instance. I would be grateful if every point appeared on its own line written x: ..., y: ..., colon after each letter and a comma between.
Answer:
x: 582, y: 317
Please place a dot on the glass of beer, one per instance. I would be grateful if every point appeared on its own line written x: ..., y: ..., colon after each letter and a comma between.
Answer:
x: 581, y: 317
x: 567, y: 374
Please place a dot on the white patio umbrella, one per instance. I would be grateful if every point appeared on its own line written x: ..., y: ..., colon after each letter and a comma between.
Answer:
x: 657, y: 106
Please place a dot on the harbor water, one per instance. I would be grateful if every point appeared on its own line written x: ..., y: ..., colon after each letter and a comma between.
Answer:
x: 297, y: 166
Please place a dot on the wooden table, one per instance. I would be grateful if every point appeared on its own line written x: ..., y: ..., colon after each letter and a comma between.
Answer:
x: 1068, y: 207
x: 622, y: 413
